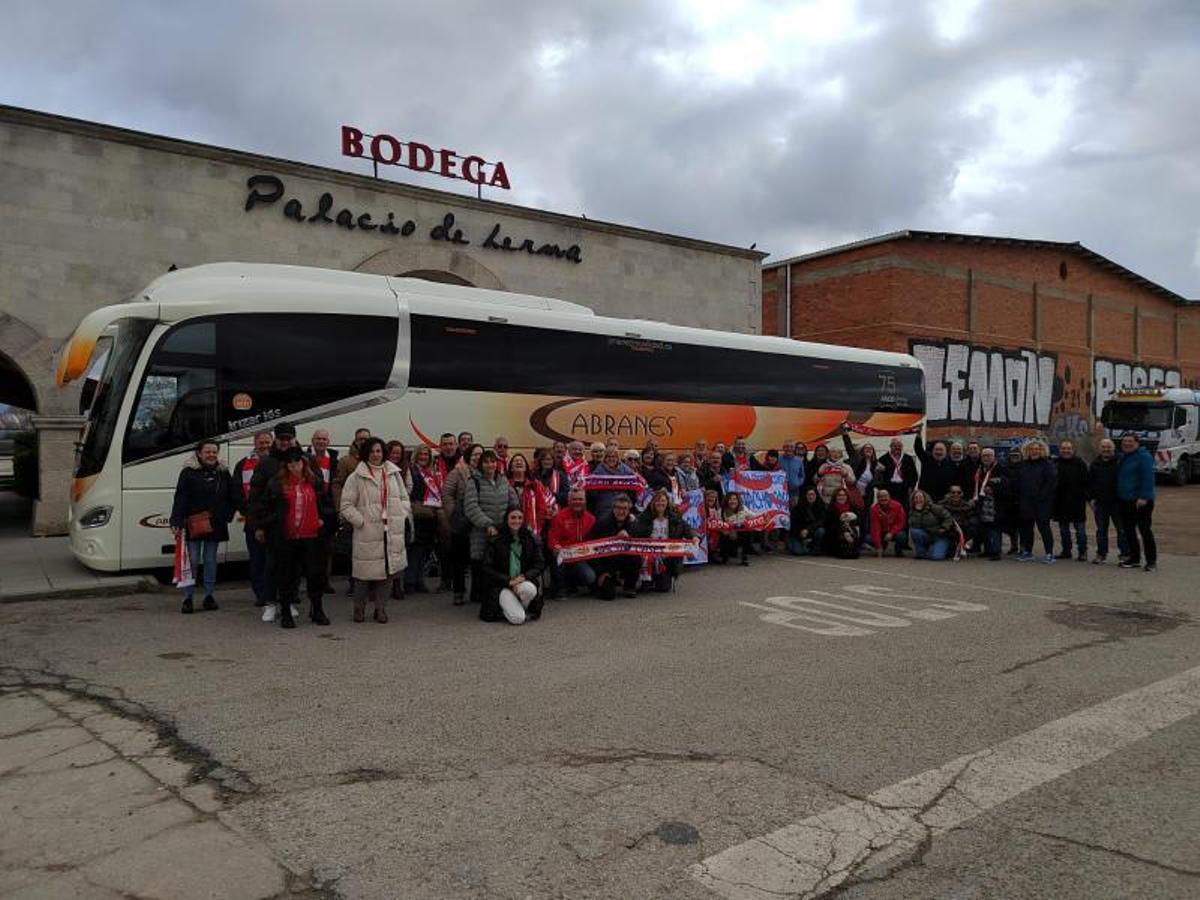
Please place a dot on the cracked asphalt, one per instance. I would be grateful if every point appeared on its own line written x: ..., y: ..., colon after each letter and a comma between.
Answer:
x: 610, y: 749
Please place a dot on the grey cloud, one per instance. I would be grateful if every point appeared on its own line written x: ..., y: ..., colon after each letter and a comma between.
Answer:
x: 610, y: 131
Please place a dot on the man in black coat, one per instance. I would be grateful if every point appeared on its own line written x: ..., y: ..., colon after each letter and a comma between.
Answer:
x: 1102, y: 491
x: 1070, y: 501
x: 324, y: 461
x: 259, y: 513
x: 610, y: 570
x: 938, y: 471
x: 900, y: 485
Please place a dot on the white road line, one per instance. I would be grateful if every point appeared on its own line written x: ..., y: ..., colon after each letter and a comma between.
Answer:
x: 809, y: 858
x: 958, y: 584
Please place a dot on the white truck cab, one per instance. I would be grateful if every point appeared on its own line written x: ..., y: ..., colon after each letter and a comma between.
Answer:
x: 1166, y: 421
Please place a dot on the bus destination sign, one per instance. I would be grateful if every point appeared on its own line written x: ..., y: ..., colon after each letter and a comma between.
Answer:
x: 387, y: 150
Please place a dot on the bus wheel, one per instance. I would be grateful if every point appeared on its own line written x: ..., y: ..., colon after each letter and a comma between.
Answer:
x: 1183, y: 471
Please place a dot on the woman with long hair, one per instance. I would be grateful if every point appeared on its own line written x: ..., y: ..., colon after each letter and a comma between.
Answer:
x: 298, y: 507
x: 1037, y: 482
x: 843, y: 528
x: 931, y: 528
x: 513, y: 567
x: 375, y: 503
x: 660, y: 520
x: 205, y: 500
x: 808, y: 524
x: 735, y: 542
x: 425, y: 492
x: 489, y: 498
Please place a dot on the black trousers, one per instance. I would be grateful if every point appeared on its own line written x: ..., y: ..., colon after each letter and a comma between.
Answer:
x: 735, y: 544
x: 1138, y: 520
x: 296, y: 559
x: 1043, y: 527
x: 459, y: 562
x: 626, y: 569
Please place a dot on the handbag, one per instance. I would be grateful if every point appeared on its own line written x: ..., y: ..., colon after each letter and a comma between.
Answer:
x: 199, y: 525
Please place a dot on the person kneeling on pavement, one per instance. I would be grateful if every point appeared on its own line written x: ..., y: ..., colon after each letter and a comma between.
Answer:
x: 930, y: 528
x: 888, y: 522
x: 661, y: 521
x: 513, y: 567
x: 625, y: 569
x: 573, y: 525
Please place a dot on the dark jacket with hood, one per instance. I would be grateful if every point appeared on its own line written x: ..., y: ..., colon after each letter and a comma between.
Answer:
x: 273, y: 510
x: 207, y: 489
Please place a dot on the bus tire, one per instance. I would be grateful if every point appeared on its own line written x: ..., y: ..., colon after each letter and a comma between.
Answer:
x: 1183, y: 471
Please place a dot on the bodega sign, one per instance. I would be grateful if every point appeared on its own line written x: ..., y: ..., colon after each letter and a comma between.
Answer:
x: 387, y: 150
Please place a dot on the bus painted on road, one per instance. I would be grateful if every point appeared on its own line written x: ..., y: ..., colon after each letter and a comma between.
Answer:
x: 220, y: 351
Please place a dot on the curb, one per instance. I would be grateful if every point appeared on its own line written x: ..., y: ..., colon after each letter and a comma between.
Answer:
x: 130, y: 585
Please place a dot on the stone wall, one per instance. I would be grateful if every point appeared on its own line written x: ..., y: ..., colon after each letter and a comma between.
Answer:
x: 92, y: 213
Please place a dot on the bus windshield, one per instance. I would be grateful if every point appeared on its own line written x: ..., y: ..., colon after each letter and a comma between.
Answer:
x: 1138, y: 416
x: 110, y: 391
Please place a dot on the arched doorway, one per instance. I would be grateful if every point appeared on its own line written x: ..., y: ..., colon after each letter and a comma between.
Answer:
x: 442, y: 264
x: 18, y: 450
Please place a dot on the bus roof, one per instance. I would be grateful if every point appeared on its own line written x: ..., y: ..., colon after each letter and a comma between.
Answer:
x: 228, y: 286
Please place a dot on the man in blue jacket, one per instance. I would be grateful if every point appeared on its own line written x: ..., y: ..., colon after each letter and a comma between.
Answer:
x: 1135, y: 494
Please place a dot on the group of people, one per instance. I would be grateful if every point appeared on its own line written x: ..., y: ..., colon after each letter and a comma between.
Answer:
x: 953, y: 500
x: 510, y: 531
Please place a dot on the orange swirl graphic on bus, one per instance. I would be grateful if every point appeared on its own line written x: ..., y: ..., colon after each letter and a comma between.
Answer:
x: 633, y: 422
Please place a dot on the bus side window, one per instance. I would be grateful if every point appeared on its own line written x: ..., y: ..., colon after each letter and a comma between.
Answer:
x: 1180, y: 416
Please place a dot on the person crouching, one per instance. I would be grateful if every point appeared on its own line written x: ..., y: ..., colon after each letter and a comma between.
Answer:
x: 513, y: 567
x: 299, y: 506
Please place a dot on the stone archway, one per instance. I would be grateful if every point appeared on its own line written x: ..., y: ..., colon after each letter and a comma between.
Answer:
x: 15, y: 387
x: 434, y: 264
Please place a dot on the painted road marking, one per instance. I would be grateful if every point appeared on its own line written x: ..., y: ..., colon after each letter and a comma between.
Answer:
x: 958, y: 584
x: 861, y: 610
x: 810, y: 858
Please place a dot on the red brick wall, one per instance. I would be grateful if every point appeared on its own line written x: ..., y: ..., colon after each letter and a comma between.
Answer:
x: 891, y: 294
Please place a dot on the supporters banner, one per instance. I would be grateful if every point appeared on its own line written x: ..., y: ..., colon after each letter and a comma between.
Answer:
x: 634, y: 483
x: 761, y: 522
x: 617, y: 546
x: 691, y: 507
x: 183, y: 575
x: 763, y: 494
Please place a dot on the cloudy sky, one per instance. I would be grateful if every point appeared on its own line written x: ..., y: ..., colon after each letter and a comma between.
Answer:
x: 791, y: 125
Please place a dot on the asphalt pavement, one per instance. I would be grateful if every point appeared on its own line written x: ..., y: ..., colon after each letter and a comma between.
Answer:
x: 803, y: 727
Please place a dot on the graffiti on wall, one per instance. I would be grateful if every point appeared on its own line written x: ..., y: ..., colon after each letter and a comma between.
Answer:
x: 969, y: 384
x: 1112, y: 375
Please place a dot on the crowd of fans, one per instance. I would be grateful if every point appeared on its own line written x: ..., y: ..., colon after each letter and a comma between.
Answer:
x: 509, y: 531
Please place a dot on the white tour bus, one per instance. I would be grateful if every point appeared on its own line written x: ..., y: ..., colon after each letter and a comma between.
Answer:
x: 221, y: 351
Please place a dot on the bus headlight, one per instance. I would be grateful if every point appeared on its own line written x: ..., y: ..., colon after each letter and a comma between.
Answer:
x: 94, y: 518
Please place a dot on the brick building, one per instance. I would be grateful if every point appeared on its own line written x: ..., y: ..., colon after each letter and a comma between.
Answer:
x: 1017, y: 336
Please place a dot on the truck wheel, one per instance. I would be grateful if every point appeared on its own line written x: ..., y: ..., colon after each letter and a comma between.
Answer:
x: 1183, y: 472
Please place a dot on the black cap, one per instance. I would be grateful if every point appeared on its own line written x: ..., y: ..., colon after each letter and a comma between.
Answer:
x: 293, y: 454
x: 285, y: 429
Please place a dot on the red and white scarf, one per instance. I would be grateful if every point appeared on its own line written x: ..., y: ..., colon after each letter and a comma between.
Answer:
x: 248, y: 466
x: 433, y: 485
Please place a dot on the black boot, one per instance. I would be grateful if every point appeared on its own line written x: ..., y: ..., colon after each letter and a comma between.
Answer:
x: 316, y: 611
x: 285, y: 616
x: 187, y: 607
x: 209, y: 603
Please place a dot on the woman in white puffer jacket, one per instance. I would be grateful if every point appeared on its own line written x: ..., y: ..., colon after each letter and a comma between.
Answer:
x: 375, y: 504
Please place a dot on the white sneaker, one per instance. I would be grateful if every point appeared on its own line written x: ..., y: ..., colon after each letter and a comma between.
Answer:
x: 269, y: 613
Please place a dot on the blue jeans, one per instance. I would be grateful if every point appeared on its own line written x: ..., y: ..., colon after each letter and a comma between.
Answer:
x: 259, y: 580
x: 1064, y: 534
x: 1104, y: 514
x: 204, y: 555
x: 993, y: 538
x: 579, y: 574
x: 811, y: 544
x: 418, y: 553
x: 927, y: 546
